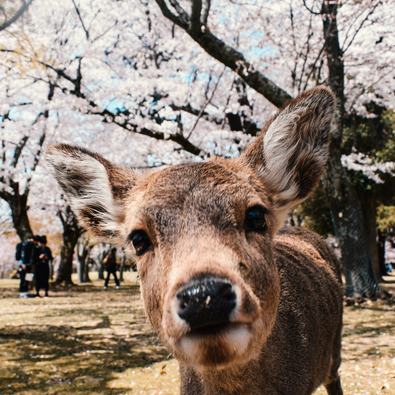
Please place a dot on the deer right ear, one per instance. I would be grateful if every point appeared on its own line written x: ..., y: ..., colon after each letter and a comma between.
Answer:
x: 290, y: 153
x: 96, y: 189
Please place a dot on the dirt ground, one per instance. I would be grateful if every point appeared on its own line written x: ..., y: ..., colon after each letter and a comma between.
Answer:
x: 87, y: 340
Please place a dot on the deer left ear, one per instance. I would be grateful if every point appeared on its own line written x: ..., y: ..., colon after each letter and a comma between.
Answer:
x: 96, y: 188
x: 290, y: 153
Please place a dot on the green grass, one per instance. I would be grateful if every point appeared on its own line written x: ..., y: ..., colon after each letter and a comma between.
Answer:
x: 86, y: 340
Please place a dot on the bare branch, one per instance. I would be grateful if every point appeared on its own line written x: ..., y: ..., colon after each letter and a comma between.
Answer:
x: 36, y: 159
x: 178, y: 20
x: 183, y: 15
x: 193, y: 111
x: 18, y: 151
x: 206, y: 11
x: 82, y: 22
x: 309, y: 35
x: 127, y: 125
x: 313, y: 66
x: 310, y: 10
x: 206, y: 103
x: 359, y: 28
x: 16, y: 16
x: 105, y: 32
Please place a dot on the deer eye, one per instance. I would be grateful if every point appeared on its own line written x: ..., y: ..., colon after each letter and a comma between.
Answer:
x: 255, y: 218
x: 141, y: 241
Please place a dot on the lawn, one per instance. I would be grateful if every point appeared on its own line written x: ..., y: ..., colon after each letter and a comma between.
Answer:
x: 86, y: 340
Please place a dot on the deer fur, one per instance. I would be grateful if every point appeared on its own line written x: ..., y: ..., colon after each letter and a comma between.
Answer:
x: 246, y: 308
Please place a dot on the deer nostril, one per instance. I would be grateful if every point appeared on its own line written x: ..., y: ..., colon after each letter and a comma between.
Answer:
x: 183, y: 300
x: 227, y: 292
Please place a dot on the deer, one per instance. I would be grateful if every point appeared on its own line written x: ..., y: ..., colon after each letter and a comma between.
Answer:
x: 245, y: 305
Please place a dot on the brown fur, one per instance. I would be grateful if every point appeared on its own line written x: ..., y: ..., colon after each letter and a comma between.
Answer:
x: 283, y: 336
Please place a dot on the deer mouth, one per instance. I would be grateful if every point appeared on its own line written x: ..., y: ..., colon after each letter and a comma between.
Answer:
x: 216, y: 345
x: 214, y: 329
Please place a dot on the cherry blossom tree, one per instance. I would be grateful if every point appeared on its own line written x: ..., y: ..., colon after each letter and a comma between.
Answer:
x: 149, y: 84
x: 324, y: 39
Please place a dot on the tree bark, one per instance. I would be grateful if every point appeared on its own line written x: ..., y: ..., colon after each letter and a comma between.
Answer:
x: 122, y: 265
x: 347, y: 215
x: 104, y: 250
x: 71, y: 233
x: 83, y: 250
x: 20, y: 219
x: 369, y: 212
x: 16, y: 200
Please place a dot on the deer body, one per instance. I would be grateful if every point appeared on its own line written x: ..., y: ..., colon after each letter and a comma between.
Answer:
x: 245, y: 308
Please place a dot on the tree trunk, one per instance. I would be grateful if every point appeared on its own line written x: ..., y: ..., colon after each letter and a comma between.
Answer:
x: 104, y: 250
x: 122, y: 265
x: 85, y: 274
x: 369, y: 212
x: 83, y: 250
x: 66, y: 263
x: 347, y: 215
x: 71, y: 234
x: 20, y: 220
x: 51, y: 270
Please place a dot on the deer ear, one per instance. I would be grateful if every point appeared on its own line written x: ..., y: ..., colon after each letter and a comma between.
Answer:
x: 290, y: 153
x: 95, y: 187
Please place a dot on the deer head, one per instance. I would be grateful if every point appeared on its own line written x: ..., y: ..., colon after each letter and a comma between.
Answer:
x: 202, y: 232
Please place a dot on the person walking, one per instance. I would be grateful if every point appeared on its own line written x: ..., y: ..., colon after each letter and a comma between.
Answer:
x: 42, y: 257
x: 25, y: 264
x: 111, y: 267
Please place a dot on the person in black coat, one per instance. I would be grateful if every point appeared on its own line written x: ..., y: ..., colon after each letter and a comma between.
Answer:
x: 111, y: 267
x: 41, y: 257
x: 25, y: 264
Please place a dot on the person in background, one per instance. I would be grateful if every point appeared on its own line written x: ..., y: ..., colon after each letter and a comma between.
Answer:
x: 42, y: 256
x: 111, y: 267
x: 25, y: 264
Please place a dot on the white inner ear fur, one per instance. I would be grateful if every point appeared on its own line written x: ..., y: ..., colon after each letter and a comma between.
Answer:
x: 279, y: 147
x: 94, y: 190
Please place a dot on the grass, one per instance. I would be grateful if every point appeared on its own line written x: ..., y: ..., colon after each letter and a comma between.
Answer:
x: 85, y: 340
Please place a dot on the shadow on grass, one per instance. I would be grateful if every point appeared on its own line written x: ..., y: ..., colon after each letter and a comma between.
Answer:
x: 60, y: 356
x: 75, y: 345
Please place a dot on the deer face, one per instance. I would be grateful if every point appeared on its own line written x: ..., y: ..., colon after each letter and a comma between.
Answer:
x: 209, y: 283
x: 202, y: 232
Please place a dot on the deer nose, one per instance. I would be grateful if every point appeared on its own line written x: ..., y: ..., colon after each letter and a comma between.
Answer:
x: 206, y: 303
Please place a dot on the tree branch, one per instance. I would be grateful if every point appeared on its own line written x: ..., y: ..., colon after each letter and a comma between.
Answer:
x: 18, y: 151
x: 177, y: 138
x: 16, y: 16
x: 359, y: 28
x: 310, y: 10
x: 206, y: 11
x: 309, y: 35
x: 82, y: 22
x: 206, y: 103
x: 313, y: 66
x: 231, y: 58
x: 183, y: 15
x: 181, y: 21
x: 193, y: 111
x: 195, y: 26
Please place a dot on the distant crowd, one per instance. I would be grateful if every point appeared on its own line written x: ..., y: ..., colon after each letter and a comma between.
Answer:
x: 34, y: 259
